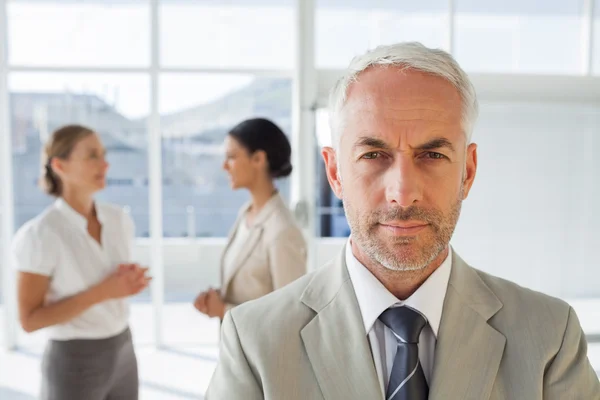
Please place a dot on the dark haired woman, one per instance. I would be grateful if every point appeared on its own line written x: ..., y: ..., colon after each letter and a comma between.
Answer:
x: 75, y: 271
x: 266, y: 249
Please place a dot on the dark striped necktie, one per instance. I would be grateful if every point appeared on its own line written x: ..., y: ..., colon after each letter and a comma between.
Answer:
x: 407, y: 381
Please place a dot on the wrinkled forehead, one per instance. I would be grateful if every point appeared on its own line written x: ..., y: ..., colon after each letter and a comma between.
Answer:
x: 402, y: 89
x: 387, y: 102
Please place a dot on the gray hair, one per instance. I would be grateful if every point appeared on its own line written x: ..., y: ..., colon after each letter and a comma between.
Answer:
x: 407, y: 55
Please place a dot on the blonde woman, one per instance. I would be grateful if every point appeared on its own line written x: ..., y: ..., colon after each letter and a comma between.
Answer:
x: 75, y: 271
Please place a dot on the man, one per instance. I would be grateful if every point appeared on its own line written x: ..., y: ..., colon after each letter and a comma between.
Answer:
x: 398, y: 315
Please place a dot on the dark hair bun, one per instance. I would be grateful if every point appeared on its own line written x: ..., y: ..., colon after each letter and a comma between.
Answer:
x: 285, y: 171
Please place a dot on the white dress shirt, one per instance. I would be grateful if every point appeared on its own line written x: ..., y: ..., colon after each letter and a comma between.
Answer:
x: 57, y: 244
x: 373, y: 299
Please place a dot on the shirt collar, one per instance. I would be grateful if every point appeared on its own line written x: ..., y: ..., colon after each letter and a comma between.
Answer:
x: 373, y: 298
x: 275, y: 202
x: 75, y: 217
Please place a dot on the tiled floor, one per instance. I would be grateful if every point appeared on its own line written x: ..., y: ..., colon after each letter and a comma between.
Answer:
x: 181, y: 371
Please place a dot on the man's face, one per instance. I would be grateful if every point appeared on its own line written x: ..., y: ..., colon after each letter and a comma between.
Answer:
x: 402, y: 167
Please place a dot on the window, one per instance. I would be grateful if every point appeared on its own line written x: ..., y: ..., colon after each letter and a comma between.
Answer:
x: 197, y: 110
x: 115, y: 105
x: 235, y: 34
x: 82, y: 33
x: 345, y: 29
x: 99, y: 77
x: 519, y: 36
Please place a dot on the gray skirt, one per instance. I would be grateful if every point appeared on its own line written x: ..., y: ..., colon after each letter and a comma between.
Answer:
x: 101, y: 369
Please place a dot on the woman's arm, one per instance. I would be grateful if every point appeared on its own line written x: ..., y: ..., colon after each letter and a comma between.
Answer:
x: 32, y: 290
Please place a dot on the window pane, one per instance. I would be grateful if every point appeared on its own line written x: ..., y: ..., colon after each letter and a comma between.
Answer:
x: 519, y: 36
x: 238, y: 34
x: 347, y: 28
x: 197, y: 110
x: 331, y: 220
x: 115, y: 106
x: 99, y: 33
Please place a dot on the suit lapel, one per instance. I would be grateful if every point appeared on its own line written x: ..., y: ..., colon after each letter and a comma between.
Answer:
x: 468, y: 350
x: 232, y: 232
x: 254, y: 236
x: 335, y: 340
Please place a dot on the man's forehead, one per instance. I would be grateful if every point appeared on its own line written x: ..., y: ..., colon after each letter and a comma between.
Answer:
x: 395, y: 79
x: 401, y: 109
x: 413, y: 135
x: 416, y: 121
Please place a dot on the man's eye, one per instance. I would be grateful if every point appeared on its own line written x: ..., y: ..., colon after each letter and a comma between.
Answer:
x: 434, y: 155
x: 371, y: 155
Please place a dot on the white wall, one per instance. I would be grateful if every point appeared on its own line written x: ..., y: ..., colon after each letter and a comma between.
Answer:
x: 532, y: 216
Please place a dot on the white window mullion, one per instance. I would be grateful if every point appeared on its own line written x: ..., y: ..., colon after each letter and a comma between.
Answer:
x: 155, y: 180
x: 304, y: 95
x: 6, y: 192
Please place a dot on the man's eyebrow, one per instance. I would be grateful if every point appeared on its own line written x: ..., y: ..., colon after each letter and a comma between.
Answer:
x: 366, y: 141
x: 436, y: 143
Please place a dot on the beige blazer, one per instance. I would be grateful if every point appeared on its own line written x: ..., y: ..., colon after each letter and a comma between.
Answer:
x: 273, y: 256
x: 496, y: 341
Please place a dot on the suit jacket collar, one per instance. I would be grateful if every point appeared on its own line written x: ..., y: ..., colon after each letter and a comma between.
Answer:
x: 335, y: 339
x: 276, y: 202
x: 464, y: 280
x: 468, y: 351
x: 256, y: 230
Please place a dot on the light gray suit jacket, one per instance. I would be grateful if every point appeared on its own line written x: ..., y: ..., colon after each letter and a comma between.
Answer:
x: 496, y: 341
x: 273, y: 255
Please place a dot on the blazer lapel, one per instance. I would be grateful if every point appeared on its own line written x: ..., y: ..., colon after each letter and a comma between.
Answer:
x: 254, y: 236
x: 241, y: 257
x: 239, y: 219
x: 274, y: 203
x: 468, y: 350
x: 335, y: 340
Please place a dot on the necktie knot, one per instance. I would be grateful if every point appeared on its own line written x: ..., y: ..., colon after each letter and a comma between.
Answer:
x: 405, y: 322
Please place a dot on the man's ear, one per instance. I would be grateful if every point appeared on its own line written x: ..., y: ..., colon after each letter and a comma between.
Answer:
x: 470, y: 169
x: 332, y: 170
